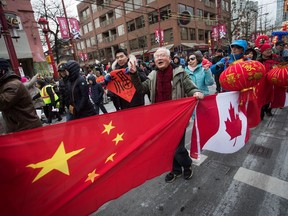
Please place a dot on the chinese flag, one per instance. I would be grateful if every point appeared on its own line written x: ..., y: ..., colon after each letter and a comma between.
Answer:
x: 219, y: 126
x: 73, y: 168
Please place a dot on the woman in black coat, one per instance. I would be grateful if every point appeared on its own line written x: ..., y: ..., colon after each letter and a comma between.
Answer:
x: 80, y: 105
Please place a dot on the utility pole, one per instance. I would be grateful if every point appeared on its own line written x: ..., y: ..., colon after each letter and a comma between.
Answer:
x: 218, y: 21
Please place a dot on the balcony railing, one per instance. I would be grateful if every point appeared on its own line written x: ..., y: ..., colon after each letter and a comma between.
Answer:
x: 210, y: 22
x: 107, y: 22
x: 109, y: 39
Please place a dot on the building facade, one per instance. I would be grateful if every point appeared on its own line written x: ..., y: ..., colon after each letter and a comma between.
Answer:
x: 134, y: 25
x: 26, y: 39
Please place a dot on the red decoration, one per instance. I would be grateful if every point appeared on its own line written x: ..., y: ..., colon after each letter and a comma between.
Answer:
x: 279, y: 75
x: 233, y: 126
x: 121, y: 85
x: 243, y: 76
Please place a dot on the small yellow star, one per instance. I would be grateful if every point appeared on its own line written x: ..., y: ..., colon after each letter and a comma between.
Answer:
x: 108, y: 127
x: 110, y: 158
x: 57, y: 162
x: 91, y: 176
x: 118, y: 138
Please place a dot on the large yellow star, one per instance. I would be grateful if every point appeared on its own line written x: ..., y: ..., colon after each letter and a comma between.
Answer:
x: 57, y: 162
x: 118, y: 138
x: 91, y: 176
x: 108, y: 127
x: 110, y: 158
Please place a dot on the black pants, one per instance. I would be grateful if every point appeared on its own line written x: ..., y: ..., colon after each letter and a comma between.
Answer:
x: 100, y: 106
x: 218, y: 86
x: 50, y: 114
x: 181, y: 157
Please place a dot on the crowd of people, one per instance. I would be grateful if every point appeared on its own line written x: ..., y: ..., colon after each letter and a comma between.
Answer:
x: 165, y: 77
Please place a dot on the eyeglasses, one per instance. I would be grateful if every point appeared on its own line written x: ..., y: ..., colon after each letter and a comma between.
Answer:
x: 161, y: 55
x: 192, y: 58
x: 236, y: 46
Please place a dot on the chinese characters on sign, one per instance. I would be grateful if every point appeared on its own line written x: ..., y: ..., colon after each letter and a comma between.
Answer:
x: 121, y: 84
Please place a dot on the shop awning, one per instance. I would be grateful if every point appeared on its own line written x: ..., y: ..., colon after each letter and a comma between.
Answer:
x: 140, y: 52
x: 21, y: 46
x: 191, y: 45
x: 169, y: 46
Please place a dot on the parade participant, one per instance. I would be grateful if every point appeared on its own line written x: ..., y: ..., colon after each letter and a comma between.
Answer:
x: 236, y: 52
x: 198, y: 74
x: 218, y: 56
x: 33, y: 90
x: 50, y: 99
x: 96, y: 93
x: 176, y: 61
x: 15, y: 102
x: 80, y: 105
x: 164, y: 84
x: 122, y: 61
x: 250, y: 54
x: 269, y: 60
x: 64, y: 91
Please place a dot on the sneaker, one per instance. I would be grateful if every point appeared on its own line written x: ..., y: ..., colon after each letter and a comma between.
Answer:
x: 188, y: 173
x: 170, y: 177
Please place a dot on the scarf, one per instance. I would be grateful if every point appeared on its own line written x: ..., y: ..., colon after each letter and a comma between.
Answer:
x: 164, y: 84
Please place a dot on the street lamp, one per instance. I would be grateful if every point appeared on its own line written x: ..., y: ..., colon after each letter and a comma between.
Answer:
x: 44, y: 26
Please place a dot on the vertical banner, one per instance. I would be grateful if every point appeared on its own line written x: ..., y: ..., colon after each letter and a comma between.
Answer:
x: 64, y: 29
x: 159, y: 35
x: 222, y: 31
x: 75, y: 30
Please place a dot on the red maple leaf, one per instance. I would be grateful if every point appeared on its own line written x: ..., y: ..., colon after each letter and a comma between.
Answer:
x: 233, y: 125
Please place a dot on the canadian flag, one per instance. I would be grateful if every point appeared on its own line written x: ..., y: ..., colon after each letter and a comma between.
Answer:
x: 219, y: 125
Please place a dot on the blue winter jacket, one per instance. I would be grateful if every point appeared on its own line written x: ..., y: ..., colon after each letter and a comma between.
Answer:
x: 201, y: 78
x: 221, y: 65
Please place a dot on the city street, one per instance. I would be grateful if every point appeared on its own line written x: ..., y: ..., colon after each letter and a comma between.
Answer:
x: 253, y: 181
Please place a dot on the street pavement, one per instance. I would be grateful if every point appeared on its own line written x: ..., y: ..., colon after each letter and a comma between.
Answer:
x: 252, y: 181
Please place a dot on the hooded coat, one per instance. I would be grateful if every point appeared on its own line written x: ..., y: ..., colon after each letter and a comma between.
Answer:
x: 78, y: 92
x: 224, y: 63
x: 16, y: 104
x: 96, y: 90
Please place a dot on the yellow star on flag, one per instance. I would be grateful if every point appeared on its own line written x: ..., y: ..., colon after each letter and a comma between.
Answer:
x: 108, y: 127
x: 91, y: 176
x: 118, y: 138
x: 110, y: 158
x: 57, y: 162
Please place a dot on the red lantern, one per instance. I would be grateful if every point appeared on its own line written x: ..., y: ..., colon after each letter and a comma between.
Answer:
x: 243, y: 76
x: 279, y: 75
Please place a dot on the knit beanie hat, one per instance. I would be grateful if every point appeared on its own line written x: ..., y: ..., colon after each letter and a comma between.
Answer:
x: 199, y: 56
x: 264, y: 47
x: 72, y: 67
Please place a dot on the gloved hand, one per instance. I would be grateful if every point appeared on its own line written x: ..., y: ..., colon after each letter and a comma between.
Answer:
x: 220, y: 64
x: 108, y: 78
